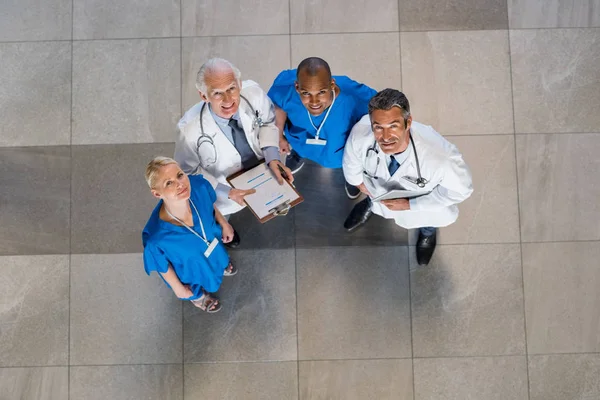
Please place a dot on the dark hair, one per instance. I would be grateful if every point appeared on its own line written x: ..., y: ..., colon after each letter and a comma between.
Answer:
x: 312, y: 65
x: 388, y: 98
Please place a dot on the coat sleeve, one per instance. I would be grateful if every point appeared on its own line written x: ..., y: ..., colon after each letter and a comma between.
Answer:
x: 268, y: 135
x: 456, y: 184
x: 352, y: 162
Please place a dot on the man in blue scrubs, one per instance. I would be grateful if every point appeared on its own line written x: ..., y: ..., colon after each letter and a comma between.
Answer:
x: 315, y: 112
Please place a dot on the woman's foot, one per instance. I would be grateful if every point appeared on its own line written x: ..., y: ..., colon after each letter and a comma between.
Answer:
x: 207, y: 303
x: 231, y: 270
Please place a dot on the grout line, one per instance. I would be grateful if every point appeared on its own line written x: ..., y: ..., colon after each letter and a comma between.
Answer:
x: 412, y: 342
x: 290, y: 42
x: 400, y: 44
x: 297, y: 329
x: 512, y: 88
x: 70, y: 203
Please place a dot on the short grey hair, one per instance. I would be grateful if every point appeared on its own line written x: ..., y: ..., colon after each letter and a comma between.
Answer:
x: 154, y: 166
x: 212, y: 65
x: 388, y: 98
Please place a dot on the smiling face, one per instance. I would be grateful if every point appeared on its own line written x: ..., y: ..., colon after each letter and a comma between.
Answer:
x: 315, y: 91
x: 222, y: 92
x: 171, y: 184
x: 390, y: 130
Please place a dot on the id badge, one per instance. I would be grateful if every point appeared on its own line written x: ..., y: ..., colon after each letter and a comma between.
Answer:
x: 211, y: 247
x: 319, y: 142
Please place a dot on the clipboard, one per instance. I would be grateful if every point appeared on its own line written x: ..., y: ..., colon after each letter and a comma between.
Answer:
x: 271, y: 199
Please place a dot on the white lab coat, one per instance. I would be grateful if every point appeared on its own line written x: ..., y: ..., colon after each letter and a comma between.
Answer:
x: 441, y: 164
x: 228, y: 159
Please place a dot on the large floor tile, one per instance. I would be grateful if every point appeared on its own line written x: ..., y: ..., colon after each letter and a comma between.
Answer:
x: 559, y: 187
x: 245, y: 17
x: 111, y: 201
x: 126, y: 91
x: 356, y: 379
x: 248, y: 381
x: 278, y: 233
x: 127, y: 382
x: 468, y: 301
x: 258, y: 318
x: 353, y: 303
x: 562, y: 301
x: 34, y: 310
x: 97, y: 19
x: 259, y: 58
x: 48, y: 383
x: 568, y: 376
x: 553, y: 13
x: 119, y: 315
x: 320, y: 218
x: 358, y: 63
x: 458, y: 82
x: 35, y: 96
x: 28, y: 20
x: 35, y: 200
x: 491, y: 214
x: 321, y: 16
x: 485, y: 378
x: 452, y: 15
x: 556, y: 80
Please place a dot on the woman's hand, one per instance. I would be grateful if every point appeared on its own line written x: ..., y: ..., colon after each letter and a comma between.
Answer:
x: 227, y: 232
x: 183, y: 292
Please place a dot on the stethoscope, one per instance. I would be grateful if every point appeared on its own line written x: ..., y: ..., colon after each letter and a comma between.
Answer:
x: 257, y: 122
x: 420, y: 182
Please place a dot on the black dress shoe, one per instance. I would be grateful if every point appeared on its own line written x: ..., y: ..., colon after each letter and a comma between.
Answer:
x: 360, y: 214
x: 235, y: 242
x: 425, y: 248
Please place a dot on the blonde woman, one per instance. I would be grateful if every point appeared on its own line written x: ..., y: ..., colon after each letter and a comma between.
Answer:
x: 183, y: 239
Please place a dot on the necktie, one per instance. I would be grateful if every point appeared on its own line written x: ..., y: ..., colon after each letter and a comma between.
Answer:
x: 393, y: 167
x: 241, y: 145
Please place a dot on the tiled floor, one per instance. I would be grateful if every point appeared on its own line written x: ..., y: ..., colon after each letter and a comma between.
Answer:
x: 509, y: 307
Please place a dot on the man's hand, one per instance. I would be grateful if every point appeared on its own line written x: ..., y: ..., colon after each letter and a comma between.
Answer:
x: 237, y: 195
x: 364, y: 189
x: 284, y: 145
x: 227, y: 232
x: 397, y: 204
x: 276, y: 167
x: 183, y: 292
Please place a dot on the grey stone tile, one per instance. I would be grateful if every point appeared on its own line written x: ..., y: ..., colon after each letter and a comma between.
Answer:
x: 278, y: 233
x: 356, y: 379
x: 567, y: 376
x: 553, y: 13
x: 556, y: 80
x: 562, y: 304
x: 491, y: 214
x: 452, y: 15
x: 119, y: 315
x: 214, y: 17
x: 95, y: 19
x: 35, y: 96
x: 47, y: 383
x: 127, y: 382
x: 321, y: 223
x: 559, y: 187
x: 485, y: 378
x: 248, y: 381
x: 458, y: 82
x: 259, y: 58
x: 34, y: 310
x: 321, y: 16
x: 356, y: 63
x: 126, y: 91
x: 111, y: 201
x: 258, y: 318
x: 468, y: 302
x: 34, y: 216
x: 353, y: 303
x: 28, y: 20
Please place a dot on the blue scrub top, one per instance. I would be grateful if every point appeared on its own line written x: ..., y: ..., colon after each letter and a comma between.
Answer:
x: 166, y: 243
x: 349, y: 107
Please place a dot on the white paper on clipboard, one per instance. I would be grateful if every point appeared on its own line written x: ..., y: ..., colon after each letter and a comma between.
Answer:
x: 269, y: 194
x: 402, y: 194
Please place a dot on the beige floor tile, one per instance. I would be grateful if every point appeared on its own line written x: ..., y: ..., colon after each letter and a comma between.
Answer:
x: 566, y: 376
x: 47, y: 383
x: 553, y: 13
x: 29, y: 20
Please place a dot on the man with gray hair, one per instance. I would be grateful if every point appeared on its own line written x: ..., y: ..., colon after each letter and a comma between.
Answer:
x: 408, y: 171
x: 231, y: 129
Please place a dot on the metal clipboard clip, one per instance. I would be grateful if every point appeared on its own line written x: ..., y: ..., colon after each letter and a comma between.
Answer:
x: 282, y: 209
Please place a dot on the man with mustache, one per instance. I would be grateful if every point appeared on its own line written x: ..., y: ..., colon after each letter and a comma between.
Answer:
x: 388, y: 151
